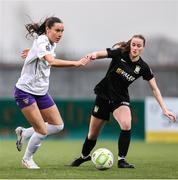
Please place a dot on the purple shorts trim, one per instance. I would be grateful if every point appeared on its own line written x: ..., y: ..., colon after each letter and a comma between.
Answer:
x: 24, y: 99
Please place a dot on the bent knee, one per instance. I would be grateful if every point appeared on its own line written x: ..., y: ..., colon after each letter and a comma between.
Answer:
x: 42, y: 131
x: 60, y: 127
x: 53, y: 129
x: 126, y: 126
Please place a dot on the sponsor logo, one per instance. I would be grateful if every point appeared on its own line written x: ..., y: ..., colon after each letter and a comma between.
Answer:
x: 137, y: 69
x: 125, y: 74
x: 26, y: 101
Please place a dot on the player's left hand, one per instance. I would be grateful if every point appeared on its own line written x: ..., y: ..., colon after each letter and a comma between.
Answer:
x: 170, y: 115
x: 83, y: 61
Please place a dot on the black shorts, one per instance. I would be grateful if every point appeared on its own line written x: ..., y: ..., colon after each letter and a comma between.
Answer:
x: 103, y: 107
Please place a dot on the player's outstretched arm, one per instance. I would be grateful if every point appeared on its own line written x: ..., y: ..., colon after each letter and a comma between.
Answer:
x: 158, y: 96
x: 65, y: 63
x: 59, y: 62
x: 97, y: 55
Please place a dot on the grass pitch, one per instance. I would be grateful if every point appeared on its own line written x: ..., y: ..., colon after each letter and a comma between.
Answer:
x: 153, y: 161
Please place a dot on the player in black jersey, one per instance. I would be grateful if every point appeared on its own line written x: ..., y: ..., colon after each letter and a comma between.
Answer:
x: 112, y: 95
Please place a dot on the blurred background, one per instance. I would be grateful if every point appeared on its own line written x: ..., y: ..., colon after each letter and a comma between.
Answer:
x: 92, y: 25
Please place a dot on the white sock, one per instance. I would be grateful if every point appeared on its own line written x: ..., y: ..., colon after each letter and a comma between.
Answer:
x: 33, y: 144
x: 52, y: 129
x: 27, y: 132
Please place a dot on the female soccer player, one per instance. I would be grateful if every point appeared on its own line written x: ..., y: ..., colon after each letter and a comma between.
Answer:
x: 31, y: 90
x: 112, y: 95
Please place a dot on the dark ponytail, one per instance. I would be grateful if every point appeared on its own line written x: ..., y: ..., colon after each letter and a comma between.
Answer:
x: 40, y: 28
x: 125, y: 46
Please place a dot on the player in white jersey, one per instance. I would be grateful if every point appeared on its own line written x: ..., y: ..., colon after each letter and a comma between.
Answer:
x: 31, y: 90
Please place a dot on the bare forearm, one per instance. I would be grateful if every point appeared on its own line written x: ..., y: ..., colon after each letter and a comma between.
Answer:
x: 97, y: 55
x: 101, y: 54
x: 63, y: 63
x: 158, y: 96
x: 60, y: 62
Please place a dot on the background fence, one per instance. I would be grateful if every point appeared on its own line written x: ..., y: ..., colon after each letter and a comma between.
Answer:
x: 76, y: 115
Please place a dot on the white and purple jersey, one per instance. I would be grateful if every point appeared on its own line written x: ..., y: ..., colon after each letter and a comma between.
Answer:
x: 35, y: 73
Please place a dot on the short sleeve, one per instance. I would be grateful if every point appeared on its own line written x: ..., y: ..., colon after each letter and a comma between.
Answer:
x: 43, y: 47
x: 113, y: 52
x: 147, y: 73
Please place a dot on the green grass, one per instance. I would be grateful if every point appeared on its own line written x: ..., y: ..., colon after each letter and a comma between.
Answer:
x: 153, y: 160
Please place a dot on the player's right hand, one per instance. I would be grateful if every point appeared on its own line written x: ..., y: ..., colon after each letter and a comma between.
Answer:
x: 24, y: 53
x: 91, y: 56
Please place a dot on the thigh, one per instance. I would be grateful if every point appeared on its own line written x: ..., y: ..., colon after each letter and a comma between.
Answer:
x: 27, y: 103
x: 44, y: 101
x: 22, y: 98
x: 52, y: 115
x: 95, y: 127
x: 123, y: 116
x: 33, y: 115
x: 101, y: 109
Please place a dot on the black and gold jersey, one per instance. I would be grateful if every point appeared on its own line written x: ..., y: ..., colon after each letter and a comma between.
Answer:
x: 121, y: 73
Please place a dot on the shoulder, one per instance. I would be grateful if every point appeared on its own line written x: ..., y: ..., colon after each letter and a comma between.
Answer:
x: 146, y: 68
x: 143, y: 63
x: 114, y: 49
x: 147, y: 72
x: 113, y: 52
x: 42, y: 39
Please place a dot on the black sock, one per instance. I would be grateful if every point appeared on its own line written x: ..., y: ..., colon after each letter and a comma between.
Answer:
x: 88, y: 146
x: 123, y: 142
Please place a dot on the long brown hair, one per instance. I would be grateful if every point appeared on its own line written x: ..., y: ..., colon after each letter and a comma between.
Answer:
x: 125, y: 46
x: 40, y: 28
